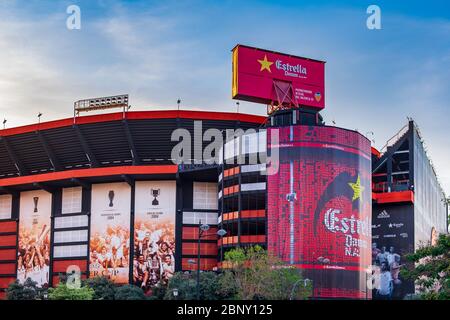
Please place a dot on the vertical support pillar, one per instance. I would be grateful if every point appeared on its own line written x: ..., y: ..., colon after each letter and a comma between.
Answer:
x: 132, y: 206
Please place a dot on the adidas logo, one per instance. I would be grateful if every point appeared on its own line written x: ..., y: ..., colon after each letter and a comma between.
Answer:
x: 383, y: 215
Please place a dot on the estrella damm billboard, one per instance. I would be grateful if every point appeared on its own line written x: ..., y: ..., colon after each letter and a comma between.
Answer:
x: 257, y: 74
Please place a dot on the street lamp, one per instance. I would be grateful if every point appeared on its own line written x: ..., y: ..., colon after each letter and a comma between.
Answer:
x: 175, y: 293
x: 201, y: 229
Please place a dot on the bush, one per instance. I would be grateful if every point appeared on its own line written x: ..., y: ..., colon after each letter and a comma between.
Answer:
x: 213, y: 286
x: 129, y: 292
x: 429, y: 267
x: 260, y: 276
x: 27, y: 291
x: 62, y: 292
x: 104, y: 289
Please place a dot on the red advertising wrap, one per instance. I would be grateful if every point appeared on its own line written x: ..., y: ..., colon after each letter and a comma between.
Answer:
x: 269, y: 77
x: 319, y: 207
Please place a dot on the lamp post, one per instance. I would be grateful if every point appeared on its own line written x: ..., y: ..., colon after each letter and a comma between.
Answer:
x: 201, y: 229
x: 175, y: 293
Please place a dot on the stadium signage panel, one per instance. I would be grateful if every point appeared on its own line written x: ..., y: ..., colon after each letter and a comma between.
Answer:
x: 154, y: 233
x: 257, y: 71
x: 33, y: 260
x: 110, y: 231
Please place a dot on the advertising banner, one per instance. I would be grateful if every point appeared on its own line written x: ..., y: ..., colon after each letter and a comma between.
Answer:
x: 392, y: 239
x: 264, y: 76
x: 154, y: 233
x: 34, y: 237
x: 319, y: 207
x: 110, y: 231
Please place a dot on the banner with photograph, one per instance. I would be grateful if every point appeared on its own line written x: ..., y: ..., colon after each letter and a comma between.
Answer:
x: 392, y: 240
x: 33, y: 259
x: 110, y: 231
x: 154, y: 233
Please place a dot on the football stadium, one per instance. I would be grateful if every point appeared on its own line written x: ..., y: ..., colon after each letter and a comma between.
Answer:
x: 135, y: 196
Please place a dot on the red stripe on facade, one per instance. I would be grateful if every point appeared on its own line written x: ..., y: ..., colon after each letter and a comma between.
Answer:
x: 8, y: 226
x: 328, y: 267
x: 8, y: 254
x: 7, y: 268
x: 63, y: 265
x: 320, y: 146
x: 392, y: 197
x: 8, y: 241
x: 375, y: 152
x: 86, y: 173
x: 134, y: 115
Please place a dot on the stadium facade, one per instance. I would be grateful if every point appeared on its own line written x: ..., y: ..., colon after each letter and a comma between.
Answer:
x: 101, y: 195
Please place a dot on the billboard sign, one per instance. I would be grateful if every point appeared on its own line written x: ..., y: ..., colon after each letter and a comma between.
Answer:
x: 154, y: 233
x: 34, y: 237
x: 110, y: 231
x: 319, y: 207
x: 270, y: 77
x: 392, y: 239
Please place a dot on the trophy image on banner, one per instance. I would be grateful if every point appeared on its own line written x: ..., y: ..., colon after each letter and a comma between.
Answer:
x: 155, y: 193
x: 111, y: 197
x: 35, y: 200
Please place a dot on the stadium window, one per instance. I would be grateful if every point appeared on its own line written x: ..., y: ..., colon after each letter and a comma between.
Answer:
x: 71, y: 222
x: 205, y: 196
x: 71, y: 236
x: 71, y: 200
x: 70, y: 251
x: 5, y: 206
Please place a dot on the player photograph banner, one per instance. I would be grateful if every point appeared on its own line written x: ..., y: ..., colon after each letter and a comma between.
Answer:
x: 392, y: 240
x: 154, y: 233
x: 110, y: 231
x: 33, y: 259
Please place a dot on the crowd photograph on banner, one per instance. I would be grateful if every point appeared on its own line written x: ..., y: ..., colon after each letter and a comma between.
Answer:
x: 110, y: 254
x: 34, y: 254
x: 110, y: 232
x: 154, y: 247
x: 390, y: 282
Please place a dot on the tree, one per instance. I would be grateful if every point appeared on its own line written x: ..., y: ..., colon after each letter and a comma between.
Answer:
x: 63, y: 292
x: 27, y: 291
x: 260, y: 275
x: 104, y: 289
x: 129, y: 292
x: 431, y: 269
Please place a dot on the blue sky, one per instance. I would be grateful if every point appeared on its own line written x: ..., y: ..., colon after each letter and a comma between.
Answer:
x: 158, y: 51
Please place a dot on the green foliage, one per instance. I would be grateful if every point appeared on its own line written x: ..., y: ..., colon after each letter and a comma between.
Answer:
x: 129, y: 292
x: 228, y: 288
x: 104, y: 289
x: 27, y: 291
x: 212, y: 286
x: 63, y: 292
x: 259, y: 275
x: 158, y: 292
x: 431, y: 269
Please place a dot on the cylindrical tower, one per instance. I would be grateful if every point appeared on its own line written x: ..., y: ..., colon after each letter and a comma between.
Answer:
x: 319, y: 206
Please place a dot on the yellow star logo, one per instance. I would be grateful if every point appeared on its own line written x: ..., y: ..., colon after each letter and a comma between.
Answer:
x: 265, y: 64
x: 357, y: 189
